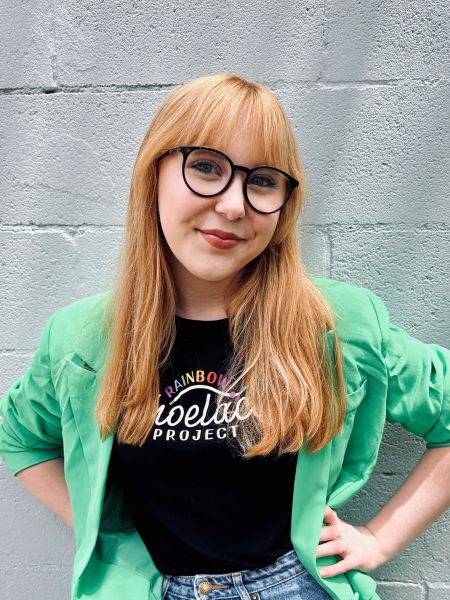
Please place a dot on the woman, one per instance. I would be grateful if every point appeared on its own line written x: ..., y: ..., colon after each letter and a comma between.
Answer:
x: 197, y: 423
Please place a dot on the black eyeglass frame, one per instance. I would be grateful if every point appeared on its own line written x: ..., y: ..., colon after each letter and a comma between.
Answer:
x: 186, y: 150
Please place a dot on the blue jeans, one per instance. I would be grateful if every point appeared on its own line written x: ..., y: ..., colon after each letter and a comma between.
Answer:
x: 284, y: 579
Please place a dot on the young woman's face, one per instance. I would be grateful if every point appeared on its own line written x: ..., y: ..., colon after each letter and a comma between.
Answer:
x: 184, y: 215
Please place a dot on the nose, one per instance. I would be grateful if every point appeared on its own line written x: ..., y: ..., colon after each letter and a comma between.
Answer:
x: 231, y: 202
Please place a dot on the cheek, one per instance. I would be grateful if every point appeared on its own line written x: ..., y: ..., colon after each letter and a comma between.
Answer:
x: 174, y: 210
x: 265, y: 227
x: 171, y: 194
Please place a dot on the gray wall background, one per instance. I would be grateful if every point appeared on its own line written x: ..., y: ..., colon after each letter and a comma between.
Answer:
x: 367, y: 88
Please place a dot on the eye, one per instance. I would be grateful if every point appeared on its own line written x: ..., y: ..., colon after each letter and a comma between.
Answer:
x: 205, y: 167
x: 262, y: 181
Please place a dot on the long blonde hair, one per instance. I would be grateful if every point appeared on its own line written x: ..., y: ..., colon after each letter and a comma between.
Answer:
x: 278, y: 319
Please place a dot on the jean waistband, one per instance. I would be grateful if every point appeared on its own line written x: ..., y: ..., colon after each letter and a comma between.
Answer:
x: 203, y: 585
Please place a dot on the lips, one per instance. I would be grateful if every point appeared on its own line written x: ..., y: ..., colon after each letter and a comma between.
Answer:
x: 219, y: 242
x: 224, y: 235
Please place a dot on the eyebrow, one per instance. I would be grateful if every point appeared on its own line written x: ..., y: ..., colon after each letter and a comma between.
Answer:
x: 256, y: 164
x: 251, y: 166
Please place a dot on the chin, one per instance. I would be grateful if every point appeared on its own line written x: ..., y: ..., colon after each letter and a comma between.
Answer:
x: 213, y: 277
x: 209, y: 273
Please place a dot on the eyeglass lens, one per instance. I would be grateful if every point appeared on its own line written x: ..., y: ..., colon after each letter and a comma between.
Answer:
x: 208, y: 172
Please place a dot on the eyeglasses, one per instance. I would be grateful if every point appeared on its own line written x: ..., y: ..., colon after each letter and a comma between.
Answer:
x: 208, y: 172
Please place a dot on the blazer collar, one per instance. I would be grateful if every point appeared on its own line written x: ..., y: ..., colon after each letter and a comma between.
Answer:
x: 90, y: 342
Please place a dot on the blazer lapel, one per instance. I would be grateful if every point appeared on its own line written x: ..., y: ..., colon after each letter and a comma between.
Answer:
x: 308, y: 505
x: 84, y: 387
x: 85, y: 367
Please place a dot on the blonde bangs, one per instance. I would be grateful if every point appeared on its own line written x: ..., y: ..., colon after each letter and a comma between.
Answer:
x: 221, y: 113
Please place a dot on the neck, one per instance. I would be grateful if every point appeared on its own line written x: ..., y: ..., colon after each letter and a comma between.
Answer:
x: 199, y: 299
x: 192, y: 303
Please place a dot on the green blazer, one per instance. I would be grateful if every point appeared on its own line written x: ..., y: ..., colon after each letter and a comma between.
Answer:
x: 48, y: 413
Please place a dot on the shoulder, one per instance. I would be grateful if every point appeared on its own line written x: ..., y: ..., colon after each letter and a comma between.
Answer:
x: 350, y: 301
x: 344, y: 296
x: 78, y: 324
x: 80, y: 314
x: 359, y: 314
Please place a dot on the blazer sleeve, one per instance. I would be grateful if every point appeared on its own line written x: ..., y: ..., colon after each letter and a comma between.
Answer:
x: 30, y: 415
x: 418, y: 381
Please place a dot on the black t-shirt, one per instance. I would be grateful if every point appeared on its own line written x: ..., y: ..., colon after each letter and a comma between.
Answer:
x: 197, y: 504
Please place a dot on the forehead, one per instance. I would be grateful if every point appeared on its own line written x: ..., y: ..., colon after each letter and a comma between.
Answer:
x: 241, y: 153
x: 250, y: 133
x: 242, y: 147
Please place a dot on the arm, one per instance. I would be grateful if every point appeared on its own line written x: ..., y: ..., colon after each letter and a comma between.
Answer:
x: 418, y: 397
x: 419, y: 501
x: 47, y: 483
x: 31, y: 443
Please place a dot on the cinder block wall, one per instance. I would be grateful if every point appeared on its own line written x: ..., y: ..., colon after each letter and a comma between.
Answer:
x: 367, y: 88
